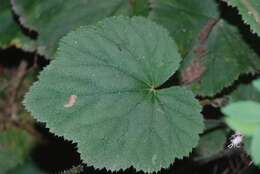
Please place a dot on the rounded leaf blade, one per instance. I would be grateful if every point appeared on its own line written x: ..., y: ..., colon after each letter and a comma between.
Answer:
x: 101, y: 92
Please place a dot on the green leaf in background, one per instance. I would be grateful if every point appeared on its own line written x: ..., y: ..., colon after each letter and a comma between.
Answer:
x: 243, y: 116
x: 11, y: 33
x: 211, y: 144
x: 248, y: 111
x: 245, y: 92
x: 247, y: 128
x: 140, y: 7
x: 15, y: 145
x: 53, y: 19
x: 214, y: 52
x: 255, y: 148
x: 250, y: 11
x: 101, y: 92
x: 29, y: 167
x: 212, y: 124
x: 247, y: 141
x: 256, y: 84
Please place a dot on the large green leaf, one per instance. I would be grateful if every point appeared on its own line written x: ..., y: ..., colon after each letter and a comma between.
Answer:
x: 52, y: 19
x: 255, y: 147
x: 250, y: 11
x: 215, y: 53
x: 110, y: 73
x: 10, y: 31
x: 15, y: 145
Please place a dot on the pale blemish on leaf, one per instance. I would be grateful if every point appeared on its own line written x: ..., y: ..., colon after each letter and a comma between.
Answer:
x: 71, y: 101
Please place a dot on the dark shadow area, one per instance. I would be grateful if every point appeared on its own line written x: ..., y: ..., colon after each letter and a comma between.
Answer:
x: 12, y: 57
x: 211, y: 112
x: 173, y: 80
x: 54, y: 154
x: 243, y: 79
x: 92, y: 170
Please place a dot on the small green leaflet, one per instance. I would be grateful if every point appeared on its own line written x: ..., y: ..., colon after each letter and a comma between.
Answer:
x: 250, y: 11
x: 101, y: 92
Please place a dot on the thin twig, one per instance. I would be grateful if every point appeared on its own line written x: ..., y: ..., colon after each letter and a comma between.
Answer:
x: 215, y: 102
x: 215, y: 169
x: 232, y: 166
x: 29, y: 127
x: 11, y: 106
x: 225, y: 171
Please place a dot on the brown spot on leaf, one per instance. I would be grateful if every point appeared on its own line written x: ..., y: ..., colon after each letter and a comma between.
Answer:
x: 195, y: 70
x: 192, y: 72
x: 203, y: 35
